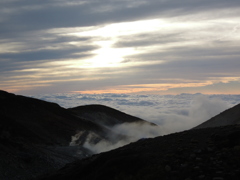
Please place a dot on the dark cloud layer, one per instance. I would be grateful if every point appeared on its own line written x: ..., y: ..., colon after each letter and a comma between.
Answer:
x: 48, y: 54
x: 36, y: 15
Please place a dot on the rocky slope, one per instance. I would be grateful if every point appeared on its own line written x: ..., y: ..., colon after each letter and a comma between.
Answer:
x: 106, y: 119
x: 209, y: 154
x: 39, y: 121
x: 211, y: 151
x: 35, y: 135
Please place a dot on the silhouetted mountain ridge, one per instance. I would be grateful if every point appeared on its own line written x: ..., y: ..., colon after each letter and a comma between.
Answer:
x: 105, y: 115
x: 35, y: 135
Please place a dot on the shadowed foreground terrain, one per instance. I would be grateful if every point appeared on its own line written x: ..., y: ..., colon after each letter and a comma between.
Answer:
x: 209, y: 154
x: 35, y: 137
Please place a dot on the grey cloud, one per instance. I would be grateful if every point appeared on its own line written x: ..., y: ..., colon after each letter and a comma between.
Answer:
x: 48, y: 54
x: 234, y: 98
x: 170, y: 72
x: 135, y: 103
x: 66, y: 39
x: 97, y: 12
x: 106, y: 99
x: 12, y: 62
x: 88, y: 98
x: 145, y: 39
x: 43, y: 47
x: 35, y: 40
x: 214, y: 88
x: 200, y: 62
x: 133, y: 131
x: 116, y: 95
x: 188, y: 70
x: 25, y: 22
x: 216, y: 49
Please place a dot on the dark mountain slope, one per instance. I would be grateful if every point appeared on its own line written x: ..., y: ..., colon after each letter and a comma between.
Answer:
x: 49, y: 123
x: 210, y: 151
x: 210, y: 154
x: 229, y: 117
x: 105, y: 115
x: 35, y: 135
x: 45, y: 122
x: 107, y: 118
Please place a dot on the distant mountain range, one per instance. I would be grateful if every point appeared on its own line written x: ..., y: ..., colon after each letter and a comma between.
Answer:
x: 39, y: 137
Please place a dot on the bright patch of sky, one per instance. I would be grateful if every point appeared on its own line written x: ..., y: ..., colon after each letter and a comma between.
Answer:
x: 190, y: 33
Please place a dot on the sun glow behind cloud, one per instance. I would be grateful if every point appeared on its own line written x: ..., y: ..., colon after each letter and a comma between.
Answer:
x: 108, y: 35
x: 195, y: 33
x: 107, y: 56
x: 192, y: 34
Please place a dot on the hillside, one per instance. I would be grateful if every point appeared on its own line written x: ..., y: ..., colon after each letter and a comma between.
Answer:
x: 105, y: 115
x: 35, y: 135
x: 40, y: 121
x: 210, y: 151
x: 209, y: 154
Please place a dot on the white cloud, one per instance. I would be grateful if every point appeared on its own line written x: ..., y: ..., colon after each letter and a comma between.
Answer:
x: 203, y: 108
x: 172, y: 112
x: 131, y: 131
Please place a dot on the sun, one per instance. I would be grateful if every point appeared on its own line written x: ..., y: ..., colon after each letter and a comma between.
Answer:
x: 107, y: 56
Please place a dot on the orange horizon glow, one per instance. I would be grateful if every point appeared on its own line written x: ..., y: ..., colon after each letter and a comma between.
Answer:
x: 153, y: 93
x: 161, y: 89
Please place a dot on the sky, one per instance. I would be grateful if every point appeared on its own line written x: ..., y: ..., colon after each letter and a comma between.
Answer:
x: 120, y: 47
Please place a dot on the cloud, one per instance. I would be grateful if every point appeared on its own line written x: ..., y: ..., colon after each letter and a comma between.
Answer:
x: 50, y: 54
x: 132, y: 133
x: 88, y: 98
x: 204, y: 108
x: 148, y: 39
x: 171, y: 113
x: 191, y: 108
x: 115, y: 95
x: 58, y: 14
x: 201, y: 109
x: 186, y: 42
x: 138, y: 103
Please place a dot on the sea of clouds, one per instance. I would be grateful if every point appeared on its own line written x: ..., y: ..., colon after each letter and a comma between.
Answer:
x: 172, y: 112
